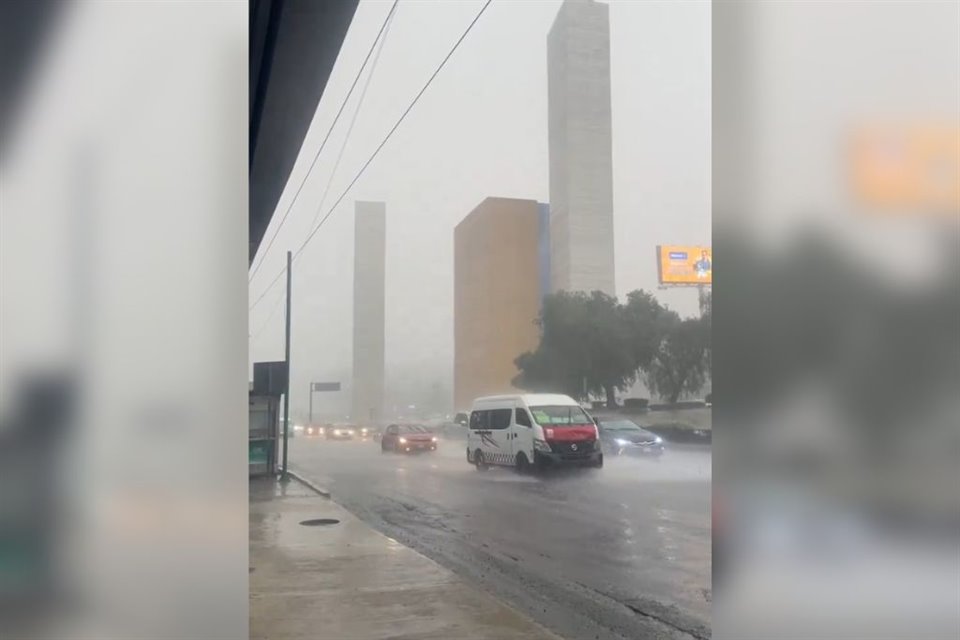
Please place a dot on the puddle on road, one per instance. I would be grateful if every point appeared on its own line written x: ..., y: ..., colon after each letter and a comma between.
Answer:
x: 319, y: 522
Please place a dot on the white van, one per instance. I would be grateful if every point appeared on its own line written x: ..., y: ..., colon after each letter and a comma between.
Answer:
x: 531, y: 429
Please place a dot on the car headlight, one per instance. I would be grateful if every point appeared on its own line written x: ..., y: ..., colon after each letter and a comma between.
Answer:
x: 336, y: 432
x: 541, y: 445
x: 622, y: 442
x: 310, y: 430
x: 658, y: 440
x: 403, y: 441
x: 433, y: 439
x: 363, y: 431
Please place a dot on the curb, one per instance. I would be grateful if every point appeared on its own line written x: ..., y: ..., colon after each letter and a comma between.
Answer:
x: 296, y: 476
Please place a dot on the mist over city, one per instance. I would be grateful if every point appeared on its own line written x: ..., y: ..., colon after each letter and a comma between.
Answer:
x: 379, y: 319
x: 480, y: 131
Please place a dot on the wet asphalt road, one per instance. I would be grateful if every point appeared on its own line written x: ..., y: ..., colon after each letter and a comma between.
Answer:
x: 620, y: 552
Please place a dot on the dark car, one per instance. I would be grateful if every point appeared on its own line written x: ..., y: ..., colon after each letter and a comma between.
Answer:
x: 625, y: 437
x: 407, y: 438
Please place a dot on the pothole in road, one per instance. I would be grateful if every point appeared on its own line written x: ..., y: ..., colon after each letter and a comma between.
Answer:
x: 320, y: 522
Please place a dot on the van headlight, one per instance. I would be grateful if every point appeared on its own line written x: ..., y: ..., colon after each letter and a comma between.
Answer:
x: 658, y: 440
x: 541, y: 445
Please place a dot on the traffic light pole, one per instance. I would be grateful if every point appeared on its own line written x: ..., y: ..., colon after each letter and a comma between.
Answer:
x: 286, y: 392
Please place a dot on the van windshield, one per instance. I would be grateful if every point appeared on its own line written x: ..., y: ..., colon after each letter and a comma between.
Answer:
x: 560, y: 416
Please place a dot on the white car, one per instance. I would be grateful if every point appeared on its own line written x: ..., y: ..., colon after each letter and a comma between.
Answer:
x: 340, y: 433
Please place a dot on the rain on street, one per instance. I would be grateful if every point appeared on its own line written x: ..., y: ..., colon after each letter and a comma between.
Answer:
x: 618, y: 552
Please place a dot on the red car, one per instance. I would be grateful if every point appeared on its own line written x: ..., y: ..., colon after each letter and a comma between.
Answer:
x: 407, y: 438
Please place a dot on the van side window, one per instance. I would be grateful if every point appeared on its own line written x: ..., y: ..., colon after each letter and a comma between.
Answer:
x: 500, y: 418
x: 478, y: 420
x: 523, y: 418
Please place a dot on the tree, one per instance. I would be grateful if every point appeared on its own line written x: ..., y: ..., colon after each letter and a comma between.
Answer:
x: 681, y: 362
x: 647, y: 323
x: 582, y: 347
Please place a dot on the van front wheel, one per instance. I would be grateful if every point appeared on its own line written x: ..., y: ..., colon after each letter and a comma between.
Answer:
x: 523, y: 465
x: 479, y: 461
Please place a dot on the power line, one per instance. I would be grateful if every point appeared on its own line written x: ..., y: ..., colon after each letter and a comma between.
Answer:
x: 376, y: 151
x: 353, y: 121
x: 273, y: 312
x: 263, y: 255
x: 269, y: 286
x: 397, y: 124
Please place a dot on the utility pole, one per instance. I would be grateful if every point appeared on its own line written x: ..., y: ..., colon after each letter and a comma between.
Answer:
x: 286, y: 391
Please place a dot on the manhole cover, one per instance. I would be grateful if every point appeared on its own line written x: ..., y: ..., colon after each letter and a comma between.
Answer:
x: 319, y: 522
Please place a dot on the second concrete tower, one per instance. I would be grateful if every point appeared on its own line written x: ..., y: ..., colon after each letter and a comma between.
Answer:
x: 369, y: 252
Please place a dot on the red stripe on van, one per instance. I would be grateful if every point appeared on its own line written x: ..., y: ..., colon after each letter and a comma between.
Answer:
x: 574, y: 433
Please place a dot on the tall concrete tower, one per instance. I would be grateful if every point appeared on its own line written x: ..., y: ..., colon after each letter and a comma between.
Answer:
x: 581, y: 164
x: 369, y: 250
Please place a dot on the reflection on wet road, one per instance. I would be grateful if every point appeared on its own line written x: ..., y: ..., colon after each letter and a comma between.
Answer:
x: 619, y: 552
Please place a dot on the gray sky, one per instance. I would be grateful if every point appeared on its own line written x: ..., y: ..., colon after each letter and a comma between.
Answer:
x: 480, y: 130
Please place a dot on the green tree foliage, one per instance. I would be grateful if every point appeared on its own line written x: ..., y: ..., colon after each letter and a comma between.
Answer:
x: 592, y: 345
x: 582, y: 347
x: 681, y: 363
x: 647, y: 322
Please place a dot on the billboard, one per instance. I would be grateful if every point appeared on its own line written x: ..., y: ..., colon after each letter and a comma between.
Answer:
x: 908, y: 168
x: 684, y: 264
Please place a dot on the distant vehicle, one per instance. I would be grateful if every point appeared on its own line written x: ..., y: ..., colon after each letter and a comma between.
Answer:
x: 296, y: 430
x: 407, y: 438
x: 339, y: 433
x: 313, y: 430
x: 364, y: 433
x: 539, y: 430
x: 462, y: 418
x: 623, y: 437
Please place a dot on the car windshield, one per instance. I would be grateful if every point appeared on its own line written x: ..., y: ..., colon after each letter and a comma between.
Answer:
x: 620, y: 425
x: 413, y: 428
x: 560, y: 416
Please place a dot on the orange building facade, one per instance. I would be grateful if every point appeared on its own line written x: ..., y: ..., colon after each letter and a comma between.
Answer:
x: 497, y: 294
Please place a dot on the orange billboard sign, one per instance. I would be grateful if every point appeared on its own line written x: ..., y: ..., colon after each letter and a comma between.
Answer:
x: 913, y: 168
x: 684, y: 264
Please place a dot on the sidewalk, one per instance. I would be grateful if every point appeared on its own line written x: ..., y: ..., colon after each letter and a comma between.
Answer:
x: 346, y: 581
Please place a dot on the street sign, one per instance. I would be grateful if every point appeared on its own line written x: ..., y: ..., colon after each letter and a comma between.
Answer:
x: 325, y: 386
x: 270, y: 378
